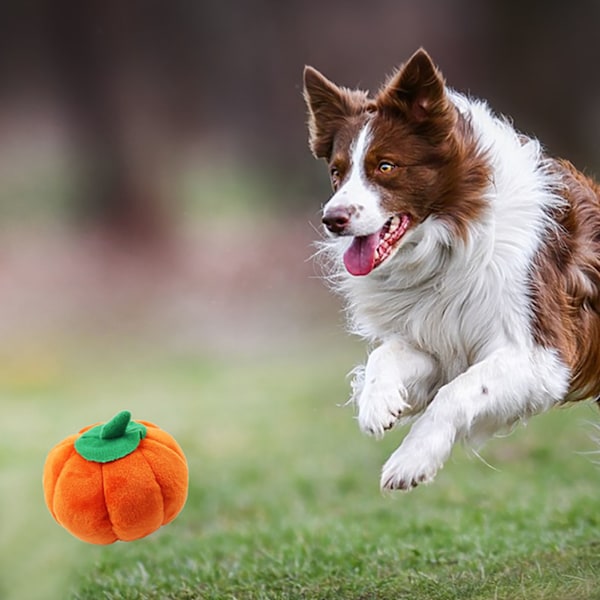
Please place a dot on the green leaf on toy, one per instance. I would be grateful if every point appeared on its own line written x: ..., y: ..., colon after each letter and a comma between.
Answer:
x: 111, y: 441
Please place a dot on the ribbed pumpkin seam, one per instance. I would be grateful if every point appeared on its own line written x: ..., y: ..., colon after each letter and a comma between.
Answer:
x: 162, y: 492
x: 106, y: 503
x: 60, y: 474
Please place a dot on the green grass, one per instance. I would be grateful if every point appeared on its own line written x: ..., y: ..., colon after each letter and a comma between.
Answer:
x: 284, y: 499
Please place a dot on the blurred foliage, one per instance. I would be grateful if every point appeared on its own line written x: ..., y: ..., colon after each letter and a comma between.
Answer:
x: 133, y: 89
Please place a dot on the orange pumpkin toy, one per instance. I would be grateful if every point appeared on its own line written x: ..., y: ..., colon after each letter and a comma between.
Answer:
x: 120, y: 480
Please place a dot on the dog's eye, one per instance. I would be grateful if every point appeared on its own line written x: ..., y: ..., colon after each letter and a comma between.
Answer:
x: 334, y: 173
x: 386, y: 167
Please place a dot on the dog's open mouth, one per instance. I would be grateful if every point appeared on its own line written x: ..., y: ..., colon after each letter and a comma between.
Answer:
x: 368, y: 251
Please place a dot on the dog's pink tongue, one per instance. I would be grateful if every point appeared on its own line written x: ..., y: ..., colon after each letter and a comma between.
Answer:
x: 360, y: 257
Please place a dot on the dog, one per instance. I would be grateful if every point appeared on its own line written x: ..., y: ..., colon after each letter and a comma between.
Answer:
x: 467, y: 257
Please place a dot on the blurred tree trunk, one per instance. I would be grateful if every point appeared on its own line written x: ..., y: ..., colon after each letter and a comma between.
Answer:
x: 552, y: 47
x: 119, y: 159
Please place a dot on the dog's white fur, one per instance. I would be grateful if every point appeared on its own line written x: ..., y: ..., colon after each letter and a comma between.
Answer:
x: 452, y: 323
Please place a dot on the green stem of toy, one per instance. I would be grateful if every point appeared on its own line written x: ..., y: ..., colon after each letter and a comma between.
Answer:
x: 117, y: 426
x: 113, y: 440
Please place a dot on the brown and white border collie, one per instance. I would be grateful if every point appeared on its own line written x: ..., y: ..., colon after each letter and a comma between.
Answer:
x: 468, y: 259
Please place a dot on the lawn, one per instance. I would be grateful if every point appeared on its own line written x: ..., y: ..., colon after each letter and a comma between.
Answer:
x: 284, y: 499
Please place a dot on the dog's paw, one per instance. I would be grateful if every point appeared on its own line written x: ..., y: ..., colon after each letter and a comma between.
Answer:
x: 413, y: 464
x: 380, y: 405
x: 403, y: 477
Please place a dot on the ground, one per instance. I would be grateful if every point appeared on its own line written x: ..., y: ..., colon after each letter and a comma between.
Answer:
x: 231, y: 344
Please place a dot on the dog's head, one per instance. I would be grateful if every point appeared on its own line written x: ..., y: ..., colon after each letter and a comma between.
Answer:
x: 396, y: 161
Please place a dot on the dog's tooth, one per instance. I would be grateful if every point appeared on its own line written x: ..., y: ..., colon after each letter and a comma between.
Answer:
x: 394, y: 223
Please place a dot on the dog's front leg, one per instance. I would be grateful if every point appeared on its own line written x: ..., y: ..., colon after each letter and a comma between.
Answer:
x: 509, y: 385
x: 396, y: 381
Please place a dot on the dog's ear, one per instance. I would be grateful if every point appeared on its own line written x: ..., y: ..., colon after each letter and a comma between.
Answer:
x: 328, y: 106
x: 417, y: 90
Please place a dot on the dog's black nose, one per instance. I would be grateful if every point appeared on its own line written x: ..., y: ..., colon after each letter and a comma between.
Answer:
x: 337, y: 219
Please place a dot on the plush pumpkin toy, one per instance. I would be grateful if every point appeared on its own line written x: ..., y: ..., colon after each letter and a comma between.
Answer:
x: 120, y: 480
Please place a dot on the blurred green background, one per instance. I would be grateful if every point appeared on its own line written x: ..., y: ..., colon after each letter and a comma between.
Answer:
x: 158, y: 203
